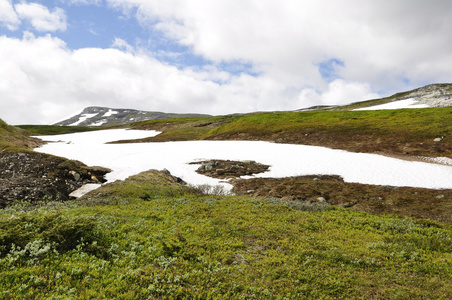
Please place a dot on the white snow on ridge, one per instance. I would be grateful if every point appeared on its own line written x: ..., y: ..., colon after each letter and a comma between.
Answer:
x: 406, y: 103
x: 83, y: 118
x: 285, y: 159
x: 110, y: 112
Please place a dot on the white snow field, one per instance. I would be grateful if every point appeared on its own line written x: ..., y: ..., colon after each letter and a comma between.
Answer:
x: 285, y: 159
x: 406, y: 103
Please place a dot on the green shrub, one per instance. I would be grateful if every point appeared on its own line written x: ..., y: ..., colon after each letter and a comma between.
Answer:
x: 63, y: 233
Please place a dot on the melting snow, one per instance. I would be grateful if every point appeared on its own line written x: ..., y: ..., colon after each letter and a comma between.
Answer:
x: 285, y: 159
x: 407, y: 103
x: 110, y: 112
x: 83, y: 118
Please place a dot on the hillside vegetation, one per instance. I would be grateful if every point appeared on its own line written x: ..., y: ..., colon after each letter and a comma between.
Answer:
x: 172, y: 242
x: 402, y: 132
x: 13, y: 138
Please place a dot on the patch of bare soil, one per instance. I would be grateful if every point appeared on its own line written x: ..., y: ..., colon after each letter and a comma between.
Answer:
x: 224, y: 169
x: 406, y: 201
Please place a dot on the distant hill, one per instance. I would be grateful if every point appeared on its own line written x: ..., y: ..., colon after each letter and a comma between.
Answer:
x: 104, y: 116
x: 433, y: 95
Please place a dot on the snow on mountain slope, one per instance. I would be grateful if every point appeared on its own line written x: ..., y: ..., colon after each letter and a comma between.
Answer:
x: 104, y: 116
x: 433, y: 95
x: 407, y: 103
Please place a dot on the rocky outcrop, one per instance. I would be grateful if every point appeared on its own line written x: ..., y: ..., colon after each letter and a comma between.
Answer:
x: 223, y: 169
x: 434, y: 95
x: 32, y: 177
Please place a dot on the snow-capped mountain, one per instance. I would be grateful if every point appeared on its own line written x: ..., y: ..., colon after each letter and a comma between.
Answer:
x: 104, y: 116
x: 433, y: 95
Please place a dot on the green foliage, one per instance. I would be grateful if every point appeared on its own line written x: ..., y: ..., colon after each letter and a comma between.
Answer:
x: 414, y: 122
x: 54, y: 130
x: 62, y: 233
x: 221, y: 247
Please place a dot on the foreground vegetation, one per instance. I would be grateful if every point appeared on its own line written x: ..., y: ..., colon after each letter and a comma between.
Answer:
x: 173, y: 243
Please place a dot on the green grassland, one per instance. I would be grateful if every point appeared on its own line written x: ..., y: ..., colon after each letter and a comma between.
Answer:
x: 174, y: 243
x: 402, y: 132
x: 54, y: 130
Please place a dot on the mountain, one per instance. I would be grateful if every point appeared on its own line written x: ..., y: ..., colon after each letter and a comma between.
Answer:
x: 104, y: 116
x: 433, y: 95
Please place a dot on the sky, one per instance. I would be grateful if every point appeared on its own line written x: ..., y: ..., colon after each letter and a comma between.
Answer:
x: 214, y: 56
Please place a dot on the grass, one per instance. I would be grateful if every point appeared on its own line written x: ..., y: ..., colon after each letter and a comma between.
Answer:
x: 15, y: 139
x: 54, y: 130
x: 401, y: 132
x: 218, y: 247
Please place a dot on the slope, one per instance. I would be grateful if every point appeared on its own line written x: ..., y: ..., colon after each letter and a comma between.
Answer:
x: 433, y: 95
x: 105, y: 117
x: 406, y: 132
x: 13, y: 138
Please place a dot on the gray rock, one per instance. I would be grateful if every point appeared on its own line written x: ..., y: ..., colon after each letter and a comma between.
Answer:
x: 321, y: 199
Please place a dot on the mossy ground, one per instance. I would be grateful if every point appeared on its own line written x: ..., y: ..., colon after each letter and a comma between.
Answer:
x: 218, y: 247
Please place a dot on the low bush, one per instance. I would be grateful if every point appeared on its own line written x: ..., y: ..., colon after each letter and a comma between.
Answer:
x: 63, y: 233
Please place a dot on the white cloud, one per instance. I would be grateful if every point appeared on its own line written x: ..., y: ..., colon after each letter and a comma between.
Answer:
x: 85, y: 2
x: 8, y: 16
x: 42, y: 81
x: 41, y: 18
x: 385, y: 45
x: 380, y: 42
x: 122, y: 44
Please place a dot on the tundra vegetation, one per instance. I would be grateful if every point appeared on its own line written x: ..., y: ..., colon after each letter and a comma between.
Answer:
x: 148, y: 237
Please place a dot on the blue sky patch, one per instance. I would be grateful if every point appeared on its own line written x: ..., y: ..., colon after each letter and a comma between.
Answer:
x: 330, y: 69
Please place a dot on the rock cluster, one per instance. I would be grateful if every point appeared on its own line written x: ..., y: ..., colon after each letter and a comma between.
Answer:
x: 434, y: 95
x: 31, y: 177
x: 223, y: 169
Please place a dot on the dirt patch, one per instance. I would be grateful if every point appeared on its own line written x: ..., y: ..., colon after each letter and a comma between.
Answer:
x: 224, y: 169
x: 405, y: 201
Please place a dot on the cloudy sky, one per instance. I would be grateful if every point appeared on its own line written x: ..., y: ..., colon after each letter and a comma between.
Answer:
x: 214, y: 56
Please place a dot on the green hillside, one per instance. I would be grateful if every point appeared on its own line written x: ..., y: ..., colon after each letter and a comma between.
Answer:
x: 14, y: 138
x: 402, y: 131
x: 131, y: 240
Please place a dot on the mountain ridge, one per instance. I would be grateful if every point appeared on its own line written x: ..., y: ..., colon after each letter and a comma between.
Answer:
x: 105, y: 116
x: 432, y: 95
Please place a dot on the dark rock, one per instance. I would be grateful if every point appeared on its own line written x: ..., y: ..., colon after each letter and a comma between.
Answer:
x: 33, y: 177
x: 230, y: 169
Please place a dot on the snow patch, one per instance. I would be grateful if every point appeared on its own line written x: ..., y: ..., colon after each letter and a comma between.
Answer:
x: 84, y: 190
x: 83, y: 118
x: 407, y: 103
x: 285, y: 159
x: 99, y: 123
x: 110, y: 112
